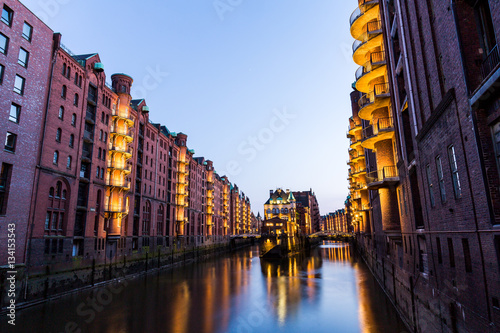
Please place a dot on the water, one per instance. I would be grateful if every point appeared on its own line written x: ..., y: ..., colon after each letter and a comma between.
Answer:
x: 330, y: 290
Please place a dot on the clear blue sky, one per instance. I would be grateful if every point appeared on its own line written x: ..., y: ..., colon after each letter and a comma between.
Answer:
x: 232, y: 66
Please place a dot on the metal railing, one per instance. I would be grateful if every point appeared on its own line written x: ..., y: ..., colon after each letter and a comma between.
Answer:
x: 374, y: 26
x: 381, y: 89
x: 118, y: 114
x: 117, y: 148
x: 122, y: 131
x: 121, y: 166
x: 382, y: 174
x: 381, y: 124
x: 88, y: 135
x: 490, y: 62
x: 355, y: 15
x: 365, y: 100
x: 118, y: 183
x: 360, y: 72
x: 90, y: 115
x: 377, y: 57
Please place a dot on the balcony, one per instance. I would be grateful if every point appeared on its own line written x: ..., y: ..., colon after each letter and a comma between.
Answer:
x: 90, y: 117
x: 382, y: 129
x: 373, y: 69
x: 370, y: 39
x: 385, y: 177
x: 88, y: 136
x: 127, y: 117
x: 375, y: 99
x: 110, y: 208
x: 368, y: 10
x: 120, y: 166
x: 358, y: 172
x: 123, y: 131
x: 128, y: 151
x: 123, y: 184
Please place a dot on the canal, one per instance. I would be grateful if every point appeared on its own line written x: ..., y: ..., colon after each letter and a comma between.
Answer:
x: 329, y: 290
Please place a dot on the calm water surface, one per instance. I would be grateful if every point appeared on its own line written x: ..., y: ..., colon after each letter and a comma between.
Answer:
x: 330, y: 290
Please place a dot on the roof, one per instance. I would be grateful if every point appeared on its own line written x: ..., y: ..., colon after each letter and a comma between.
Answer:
x: 83, y: 56
x: 280, y: 195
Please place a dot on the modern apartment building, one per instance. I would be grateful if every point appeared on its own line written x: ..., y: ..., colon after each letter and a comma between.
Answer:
x: 425, y: 126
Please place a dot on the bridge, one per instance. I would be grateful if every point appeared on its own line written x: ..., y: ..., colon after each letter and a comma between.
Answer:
x: 332, y: 235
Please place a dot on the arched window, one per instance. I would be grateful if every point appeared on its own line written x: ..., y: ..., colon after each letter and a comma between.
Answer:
x: 58, y: 135
x: 64, y: 195
x: 51, y: 192
x: 64, y: 69
x: 58, y: 189
x: 75, y: 101
x: 282, y: 210
x: 159, y: 220
x: 286, y: 210
x: 102, y: 117
x: 73, y: 119
x: 68, y: 163
x: 146, y: 218
x: 98, y: 171
x: 55, y: 159
x: 64, y: 91
x: 102, y: 173
x: 269, y: 210
x: 68, y: 72
x: 61, y: 112
x: 100, y: 135
x: 99, y: 151
x: 71, y: 140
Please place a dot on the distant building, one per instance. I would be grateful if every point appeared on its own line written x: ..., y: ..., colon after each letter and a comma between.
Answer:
x: 308, y: 211
x: 282, y: 204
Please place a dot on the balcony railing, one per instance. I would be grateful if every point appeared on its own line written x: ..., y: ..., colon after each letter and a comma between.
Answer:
x: 490, y: 62
x: 90, y: 115
x: 377, y: 58
x: 373, y: 29
x: 382, y: 124
x: 384, y: 174
x: 381, y: 89
x: 118, y: 183
x: 128, y: 150
x: 121, y: 166
x: 365, y: 100
x: 115, y: 208
x: 88, y: 135
x: 355, y: 15
x: 358, y: 12
x: 125, y: 116
x: 122, y: 131
x: 360, y: 72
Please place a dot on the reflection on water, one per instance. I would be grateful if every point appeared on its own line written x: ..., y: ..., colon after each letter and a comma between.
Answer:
x: 327, y: 290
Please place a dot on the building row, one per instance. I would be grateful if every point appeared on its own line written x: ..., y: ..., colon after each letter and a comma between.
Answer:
x: 424, y: 166
x: 84, y: 170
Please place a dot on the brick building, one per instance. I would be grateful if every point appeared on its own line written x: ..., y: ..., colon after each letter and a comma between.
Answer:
x: 25, y: 65
x: 86, y: 175
x: 308, y: 210
x: 424, y: 166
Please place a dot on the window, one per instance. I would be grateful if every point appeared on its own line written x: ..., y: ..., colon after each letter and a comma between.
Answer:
x: 102, y: 173
x: 457, y: 188
x: 47, y: 224
x: 51, y: 192
x: 4, y: 43
x: 19, y: 85
x: 100, y: 135
x: 58, y: 135
x: 439, y: 167
x: 64, y: 69
x: 68, y: 72
x: 68, y: 163
x: 451, y: 252
x: 71, y: 140
x: 55, y: 159
x: 7, y: 15
x: 97, y: 172
x: 73, y: 119
x: 10, y: 142
x: 75, y: 100
x: 63, y: 91
x: 430, y: 185
x: 5, y: 173
x: 15, y: 113
x: 61, y: 113
x: 467, y: 258
x: 92, y: 93
x: 27, y: 31
x: 23, y: 57
x: 439, y: 251
x: 2, y: 71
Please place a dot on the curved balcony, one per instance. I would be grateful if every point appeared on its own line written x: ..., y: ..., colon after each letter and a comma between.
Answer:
x: 356, y: 156
x: 110, y: 208
x: 375, y: 99
x: 122, y: 184
x: 353, y: 129
x: 382, y: 129
x: 385, y: 177
x: 127, y: 151
x: 123, y: 167
x: 359, y: 172
x: 355, y: 144
x: 128, y: 118
x: 367, y: 73
x: 124, y: 132
x: 366, y: 12
x: 367, y: 41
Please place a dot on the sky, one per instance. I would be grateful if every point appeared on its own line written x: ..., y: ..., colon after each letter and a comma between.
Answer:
x: 261, y: 87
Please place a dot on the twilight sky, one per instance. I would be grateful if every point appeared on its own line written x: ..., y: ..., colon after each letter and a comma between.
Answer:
x: 261, y: 87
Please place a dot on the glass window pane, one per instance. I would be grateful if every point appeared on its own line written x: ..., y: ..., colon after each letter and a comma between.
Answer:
x: 27, y: 31
x: 4, y: 44
x: 23, y: 57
